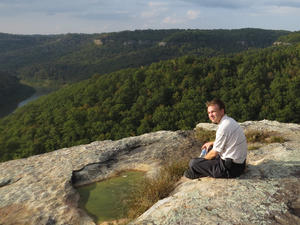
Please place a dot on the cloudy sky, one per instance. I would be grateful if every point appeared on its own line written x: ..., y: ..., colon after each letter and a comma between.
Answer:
x: 97, y: 16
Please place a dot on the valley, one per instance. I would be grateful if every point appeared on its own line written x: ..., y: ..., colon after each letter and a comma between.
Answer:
x: 257, y: 83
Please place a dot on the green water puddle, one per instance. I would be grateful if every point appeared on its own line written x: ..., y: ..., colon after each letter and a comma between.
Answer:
x: 104, y: 200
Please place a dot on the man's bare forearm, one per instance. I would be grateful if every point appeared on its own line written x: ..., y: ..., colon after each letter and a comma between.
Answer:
x: 211, y: 154
x: 208, y: 145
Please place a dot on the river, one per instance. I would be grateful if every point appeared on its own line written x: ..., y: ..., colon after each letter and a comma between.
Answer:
x: 8, y: 109
x: 36, y: 95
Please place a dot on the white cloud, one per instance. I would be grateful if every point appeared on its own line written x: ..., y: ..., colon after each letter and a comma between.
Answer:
x: 192, y: 14
x: 157, y: 4
x: 53, y: 16
x: 172, y: 20
x: 154, y: 10
x: 230, y: 4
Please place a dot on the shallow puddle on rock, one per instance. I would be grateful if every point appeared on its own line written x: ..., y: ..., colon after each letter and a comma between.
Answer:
x: 103, y: 200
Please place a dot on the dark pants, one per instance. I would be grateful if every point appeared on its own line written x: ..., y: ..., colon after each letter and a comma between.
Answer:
x: 218, y: 168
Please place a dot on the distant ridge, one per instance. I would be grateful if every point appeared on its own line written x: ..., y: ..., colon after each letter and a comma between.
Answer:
x: 43, y: 60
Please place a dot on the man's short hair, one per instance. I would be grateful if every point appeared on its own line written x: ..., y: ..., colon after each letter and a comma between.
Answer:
x: 216, y: 102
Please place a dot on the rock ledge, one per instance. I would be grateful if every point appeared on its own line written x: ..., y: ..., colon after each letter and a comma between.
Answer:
x: 268, y: 193
x: 40, y: 189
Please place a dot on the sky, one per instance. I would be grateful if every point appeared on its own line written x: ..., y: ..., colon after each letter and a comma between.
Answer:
x: 99, y: 16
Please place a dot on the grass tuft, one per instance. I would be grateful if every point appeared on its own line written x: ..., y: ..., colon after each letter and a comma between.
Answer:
x: 253, y: 147
x: 254, y: 136
x: 205, y: 135
x: 150, y: 190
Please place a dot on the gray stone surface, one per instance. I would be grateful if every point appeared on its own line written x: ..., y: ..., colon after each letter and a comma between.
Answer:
x: 268, y: 193
x: 40, y: 189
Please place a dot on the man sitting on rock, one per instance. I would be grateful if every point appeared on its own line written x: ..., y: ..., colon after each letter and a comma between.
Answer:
x: 227, y: 157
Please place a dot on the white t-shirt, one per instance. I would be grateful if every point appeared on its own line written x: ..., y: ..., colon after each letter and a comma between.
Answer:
x: 230, y: 140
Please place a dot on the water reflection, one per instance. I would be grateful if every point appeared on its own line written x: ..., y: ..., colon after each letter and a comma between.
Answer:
x: 36, y: 95
x: 7, y: 109
x: 103, y: 200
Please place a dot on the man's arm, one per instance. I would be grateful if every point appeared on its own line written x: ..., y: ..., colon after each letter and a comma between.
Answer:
x: 211, y: 154
x: 208, y: 145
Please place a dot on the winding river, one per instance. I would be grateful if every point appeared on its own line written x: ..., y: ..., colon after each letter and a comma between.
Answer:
x: 36, y: 95
x: 8, y: 109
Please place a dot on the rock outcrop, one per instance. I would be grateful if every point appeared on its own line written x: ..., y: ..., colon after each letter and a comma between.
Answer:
x: 40, y: 189
x: 268, y: 193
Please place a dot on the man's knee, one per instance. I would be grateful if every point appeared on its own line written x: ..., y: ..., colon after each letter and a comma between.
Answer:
x: 190, y: 172
x: 195, y: 161
x: 192, y: 163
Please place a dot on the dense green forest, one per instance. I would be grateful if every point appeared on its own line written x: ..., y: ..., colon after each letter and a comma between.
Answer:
x: 167, y: 95
x: 11, y: 92
x: 291, y: 38
x: 51, y: 61
x: 54, y: 60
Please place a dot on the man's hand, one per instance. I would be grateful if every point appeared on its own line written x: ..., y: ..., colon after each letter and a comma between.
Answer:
x: 208, y: 145
x: 211, y: 154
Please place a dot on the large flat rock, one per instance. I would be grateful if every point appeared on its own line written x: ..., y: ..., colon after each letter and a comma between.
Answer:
x: 41, y: 189
x: 268, y: 193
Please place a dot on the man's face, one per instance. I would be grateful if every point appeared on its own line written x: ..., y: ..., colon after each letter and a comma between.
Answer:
x: 215, y: 114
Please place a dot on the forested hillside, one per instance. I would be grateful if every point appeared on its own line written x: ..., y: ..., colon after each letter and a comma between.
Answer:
x: 256, y: 84
x: 53, y: 60
x: 291, y: 38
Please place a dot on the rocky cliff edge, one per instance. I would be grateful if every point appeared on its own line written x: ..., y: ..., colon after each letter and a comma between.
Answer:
x: 41, y: 189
